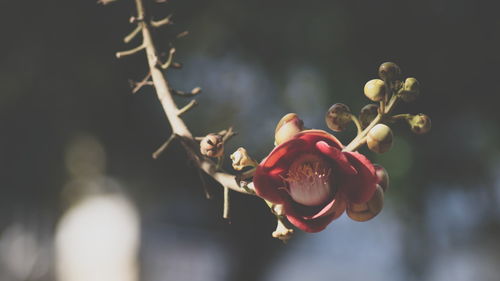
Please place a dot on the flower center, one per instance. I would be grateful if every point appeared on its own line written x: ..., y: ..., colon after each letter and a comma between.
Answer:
x: 308, y: 180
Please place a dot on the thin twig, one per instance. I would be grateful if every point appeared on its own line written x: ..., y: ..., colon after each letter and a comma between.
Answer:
x: 162, y: 22
x: 164, y: 146
x: 193, y: 92
x: 187, y: 107
x: 204, y: 184
x: 169, y: 59
x: 142, y: 83
x: 225, y: 213
x: 132, y: 34
x: 130, y: 52
x: 171, y: 110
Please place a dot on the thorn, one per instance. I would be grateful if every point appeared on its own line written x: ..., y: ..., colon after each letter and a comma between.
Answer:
x: 130, y: 52
x: 204, y: 185
x: 105, y: 2
x: 225, y: 213
x: 169, y: 59
x: 176, y: 65
x: 164, y: 146
x: 187, y: 107
x: 182, y: 34
x: 138, y: 85
x: 193, y: 92
x: 132, y: 34
x: 135, y: 19
x: 161, y: 22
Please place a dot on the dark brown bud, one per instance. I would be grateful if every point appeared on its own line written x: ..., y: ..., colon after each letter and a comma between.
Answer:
x: 287, y: 127
x: 367, y: 114
x: 212, y: 145
x: 367, y: 211
x: 389, y: 71
x: 375, y: 89
x: 379, y: 138
x: 338, y: 117
x: 382, y: 176
x: 420, y: 123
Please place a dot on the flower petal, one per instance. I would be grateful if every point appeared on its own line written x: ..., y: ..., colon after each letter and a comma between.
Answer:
x: 336, y: 155
x: 320, y: 220
x: 360, y: 188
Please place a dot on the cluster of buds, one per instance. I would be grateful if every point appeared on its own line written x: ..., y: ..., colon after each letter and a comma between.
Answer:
x: 373, y: 119
x: 311, y: 169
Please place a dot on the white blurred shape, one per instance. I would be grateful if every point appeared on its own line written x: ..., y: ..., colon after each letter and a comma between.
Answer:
x: 97, y: 240
x: 19, y: 251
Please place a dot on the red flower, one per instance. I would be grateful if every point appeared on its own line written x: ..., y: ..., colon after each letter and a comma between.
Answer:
x: 313, y: 179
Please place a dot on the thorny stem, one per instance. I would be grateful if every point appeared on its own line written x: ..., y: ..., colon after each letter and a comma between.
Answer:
x: 171, y: 110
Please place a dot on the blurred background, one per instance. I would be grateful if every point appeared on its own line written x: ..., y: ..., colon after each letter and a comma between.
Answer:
x: 82, y: 199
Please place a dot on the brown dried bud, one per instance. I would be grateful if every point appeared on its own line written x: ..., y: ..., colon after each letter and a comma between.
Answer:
x: 411, y: 90
x: 241, y: 159
x: 367, y: 114
x: 287, y: 127
x: 338, y: 117
x: 389, y: 71
x: 382, y: 177
x: 375, y: 89
x: 420, y: 123
x: 368, y: 210
x: 379, y: 138
x: 212, y: 145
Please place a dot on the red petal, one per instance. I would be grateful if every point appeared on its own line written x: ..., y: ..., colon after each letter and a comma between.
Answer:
x: 320, y: 220
x: 360, y: 188
x: 313, y: 136
x: 336, y: 155
x: 267, y: 186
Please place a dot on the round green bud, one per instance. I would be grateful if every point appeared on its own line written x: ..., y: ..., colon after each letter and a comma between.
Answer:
x: 375, y: 89
x: 367, y: 114
x: 338, y: 117
x: 382, y: 176
x: 287, y: 127
x: 379, y: 138
x: 389, y: 71
x: 411, y: 90
x: 420, y: 123
x: 368, y: 210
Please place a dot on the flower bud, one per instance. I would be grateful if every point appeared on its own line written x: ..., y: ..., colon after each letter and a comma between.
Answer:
x: 375, y: 89
x: 338, y: 117
x: 212, y: 145
x: 382, y: 177
x: 241, y: 159
x: 368, y: 210
x: 287, y: 127
x: 282, y: 232
x: 411, y: 90
x: 367, y: 114
x: 389, y: 71
x: 420, y: 123
x: 379, y: 138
